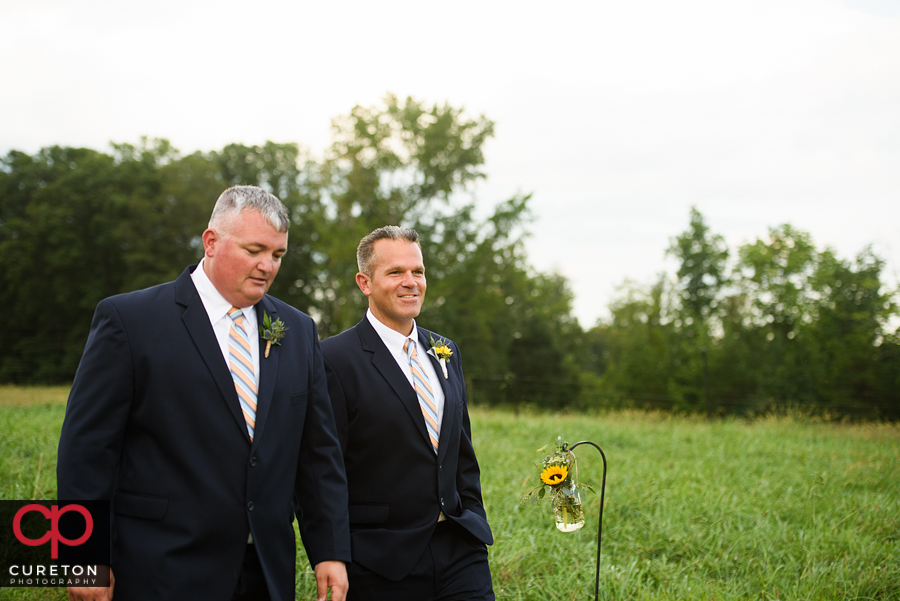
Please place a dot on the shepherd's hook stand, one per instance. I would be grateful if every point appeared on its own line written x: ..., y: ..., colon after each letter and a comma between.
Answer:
x: 600, y: 525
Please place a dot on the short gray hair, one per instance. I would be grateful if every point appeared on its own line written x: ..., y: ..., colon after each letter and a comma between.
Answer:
x: 365, y: 252
x: 239, y: 198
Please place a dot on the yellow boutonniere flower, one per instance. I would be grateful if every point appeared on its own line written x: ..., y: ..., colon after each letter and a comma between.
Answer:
x: 440, y: 350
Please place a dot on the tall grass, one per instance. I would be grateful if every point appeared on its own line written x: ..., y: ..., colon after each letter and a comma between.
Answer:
x: 775, y: 508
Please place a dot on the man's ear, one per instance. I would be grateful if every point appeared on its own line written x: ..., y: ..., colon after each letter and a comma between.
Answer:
x: 362, y: 280
x: 210, y: 237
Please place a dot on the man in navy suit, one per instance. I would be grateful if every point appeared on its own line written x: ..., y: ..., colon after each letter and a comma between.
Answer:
x: 200, y: 436
x: 417, y: 521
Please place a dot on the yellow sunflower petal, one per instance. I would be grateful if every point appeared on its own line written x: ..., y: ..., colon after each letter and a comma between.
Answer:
x: 554, y: 474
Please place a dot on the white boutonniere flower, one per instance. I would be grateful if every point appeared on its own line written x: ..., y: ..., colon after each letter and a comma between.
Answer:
x: 440, y: 350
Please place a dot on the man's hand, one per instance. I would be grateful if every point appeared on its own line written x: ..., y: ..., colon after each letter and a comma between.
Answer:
x: 94, y: 593
x: 331, y: 575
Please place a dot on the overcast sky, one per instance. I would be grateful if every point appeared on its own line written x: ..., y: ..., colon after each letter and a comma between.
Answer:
x: 618, y: 117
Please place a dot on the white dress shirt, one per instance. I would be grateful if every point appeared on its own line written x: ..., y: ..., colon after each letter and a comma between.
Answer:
x: 394, y: 341
x: 217, y: 309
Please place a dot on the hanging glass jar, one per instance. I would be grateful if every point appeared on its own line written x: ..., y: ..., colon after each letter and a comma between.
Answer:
x: 567, y: 510
x: 559, y: 481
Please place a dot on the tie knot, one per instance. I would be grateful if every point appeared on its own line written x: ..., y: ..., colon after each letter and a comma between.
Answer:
x: 410, y: 347
x: 235, y: 314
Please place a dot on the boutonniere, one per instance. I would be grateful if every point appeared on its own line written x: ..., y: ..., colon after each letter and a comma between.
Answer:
x: 440, y: 350
x: 272, y: 333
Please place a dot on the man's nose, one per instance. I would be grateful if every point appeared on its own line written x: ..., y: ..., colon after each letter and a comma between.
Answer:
x: 408, y: 280
x: 265, y: 264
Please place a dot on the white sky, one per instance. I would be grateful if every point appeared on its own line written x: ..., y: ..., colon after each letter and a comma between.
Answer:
x: 617, y: 116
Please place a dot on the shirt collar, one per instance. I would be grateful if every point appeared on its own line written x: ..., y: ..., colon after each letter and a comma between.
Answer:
x: 215, y: 304
x: 389, y: 336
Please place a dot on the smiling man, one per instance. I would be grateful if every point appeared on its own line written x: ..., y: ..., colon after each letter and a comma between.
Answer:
x: 199, y: 438
x: 417, y: 521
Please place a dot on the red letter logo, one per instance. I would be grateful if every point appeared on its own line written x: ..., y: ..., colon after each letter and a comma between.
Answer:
x: 53, y: 535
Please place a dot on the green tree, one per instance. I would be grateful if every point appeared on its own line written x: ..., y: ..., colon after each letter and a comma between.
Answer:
x: 76, y: 226
x: 638, y: 342
x: 399, y: 163
x: 702, y: 276
x: 852, y: 310
x: 737, y: 357
x: 61, y: 212
x: 776, y: 274
x: 702, y: 272
x: 166, y: 202
x: 887, y: 375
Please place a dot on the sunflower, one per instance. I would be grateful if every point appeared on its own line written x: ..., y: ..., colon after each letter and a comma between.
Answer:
x: 554, y: 474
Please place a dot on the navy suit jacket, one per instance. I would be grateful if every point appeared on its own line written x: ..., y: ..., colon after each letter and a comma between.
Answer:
x: 153, y: 423
x: 397, y: 485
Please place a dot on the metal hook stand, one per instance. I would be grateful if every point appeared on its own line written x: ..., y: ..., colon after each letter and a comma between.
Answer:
x: 600, y: 526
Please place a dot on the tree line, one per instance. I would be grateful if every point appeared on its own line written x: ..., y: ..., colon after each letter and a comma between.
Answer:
x: 777, y: 323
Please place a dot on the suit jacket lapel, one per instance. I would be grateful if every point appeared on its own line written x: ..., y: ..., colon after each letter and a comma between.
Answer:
x: 196, y: 320
x: 268, y: 369
x: 384, y: 362
x: 450, y: 395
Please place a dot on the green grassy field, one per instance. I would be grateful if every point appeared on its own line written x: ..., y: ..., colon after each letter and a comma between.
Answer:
x: 776, y: 508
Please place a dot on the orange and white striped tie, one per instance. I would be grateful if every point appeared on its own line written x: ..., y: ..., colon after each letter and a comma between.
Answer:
x: 424, y: 392
x: 240, y: 362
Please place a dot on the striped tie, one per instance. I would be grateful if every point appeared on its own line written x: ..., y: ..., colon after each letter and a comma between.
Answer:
x: 424, y: 392
x: 240, y: 362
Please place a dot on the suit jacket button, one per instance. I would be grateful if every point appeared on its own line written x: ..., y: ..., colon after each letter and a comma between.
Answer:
x: 253, y: 461
x: 250, y: 506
